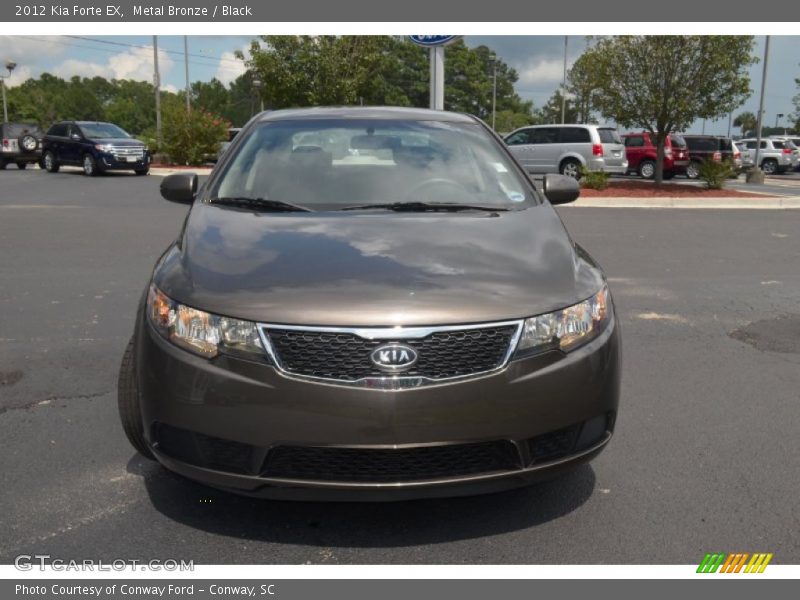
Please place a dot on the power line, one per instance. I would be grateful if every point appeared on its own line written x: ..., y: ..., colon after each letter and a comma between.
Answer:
x: 95, y: 48
x: 129, y: 45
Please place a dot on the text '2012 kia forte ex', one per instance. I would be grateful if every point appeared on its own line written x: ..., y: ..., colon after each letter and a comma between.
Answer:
x: 371, y: 303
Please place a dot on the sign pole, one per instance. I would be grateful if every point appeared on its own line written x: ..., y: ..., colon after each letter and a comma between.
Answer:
x: 437, y: 77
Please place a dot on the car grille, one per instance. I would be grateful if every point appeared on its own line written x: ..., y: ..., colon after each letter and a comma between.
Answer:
x: 345, y: 356
x: 125, y: 151
x: 377, y: 465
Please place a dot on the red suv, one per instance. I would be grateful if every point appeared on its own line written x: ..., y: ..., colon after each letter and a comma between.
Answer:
x: 640, y: 149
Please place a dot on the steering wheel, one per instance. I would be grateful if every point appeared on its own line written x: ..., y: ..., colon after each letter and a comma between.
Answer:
x: 431, y: 185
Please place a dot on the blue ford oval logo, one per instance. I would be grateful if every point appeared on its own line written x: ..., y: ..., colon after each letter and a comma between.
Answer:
x: 393, y: 357
x: 433, y: 40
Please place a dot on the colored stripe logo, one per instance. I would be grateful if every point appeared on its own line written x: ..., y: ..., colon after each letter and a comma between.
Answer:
x: 739, y: 562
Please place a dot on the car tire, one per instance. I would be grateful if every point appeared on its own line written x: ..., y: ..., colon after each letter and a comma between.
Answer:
x: 89, y: 164
x: 3, y: 164
x: 693, y: 170
x: 142, y: 171
x: 50, y: 163
x: 130, y: 412
x: 571, y: 168
x: 28, y: 143
x: 647, y: 169
x: 769, y: 166
x: 21, y: 165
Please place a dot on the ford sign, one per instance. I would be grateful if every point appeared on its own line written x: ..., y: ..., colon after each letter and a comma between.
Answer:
x: 433, y: 40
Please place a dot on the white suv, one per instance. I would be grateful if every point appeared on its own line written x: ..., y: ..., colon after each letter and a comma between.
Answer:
x: 774, y: 156
x: 568, y: 149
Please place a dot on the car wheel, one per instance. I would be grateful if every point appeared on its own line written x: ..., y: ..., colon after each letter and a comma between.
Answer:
x: 130, y: 412
x: 89, y: 165
x: 647, y: 169
x: 693, y: 170
x: 21, y: 165
x: 571, y: 168
x: 769, y: 166
x: 668, y: 174
x: 28, y: 143
x: 50, y: 163
x: 142, y: 171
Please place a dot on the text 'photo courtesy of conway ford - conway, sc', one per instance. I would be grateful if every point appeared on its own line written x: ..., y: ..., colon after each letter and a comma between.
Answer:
x: 371, y: 304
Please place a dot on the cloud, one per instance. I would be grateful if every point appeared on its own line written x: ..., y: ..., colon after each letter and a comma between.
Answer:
x: 230, y: 67
x: 541, y: 72
x: 136, y: 63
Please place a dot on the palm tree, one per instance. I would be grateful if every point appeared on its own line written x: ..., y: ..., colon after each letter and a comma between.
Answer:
x: 747, y: 122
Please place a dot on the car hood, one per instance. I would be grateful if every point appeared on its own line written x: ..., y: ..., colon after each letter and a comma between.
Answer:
x: 376, y: 268
x: 118, y: 141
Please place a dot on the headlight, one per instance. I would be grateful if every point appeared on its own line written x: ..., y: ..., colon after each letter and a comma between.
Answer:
x: 198, y: 331
x: 568, y: 328
x: 104, y: 147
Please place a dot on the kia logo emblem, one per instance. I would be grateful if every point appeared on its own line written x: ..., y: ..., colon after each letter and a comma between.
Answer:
x: 393, y: 357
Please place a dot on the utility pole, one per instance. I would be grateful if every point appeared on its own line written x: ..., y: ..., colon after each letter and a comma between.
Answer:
x: 494, y: 89
x: 730, y: 120
x: 186, y: 64
x: 157, y: 85
x: 757, y: 175
x: 564, y: 84
x: 10, y: 66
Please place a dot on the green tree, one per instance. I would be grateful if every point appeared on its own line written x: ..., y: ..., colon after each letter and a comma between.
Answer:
x: 380, y: 70
x: 746, y: 122
x: 581, y: 86
x: 551, y: 111
x: 190, y: 137
x: 796, y: 101
x: 664, y: 83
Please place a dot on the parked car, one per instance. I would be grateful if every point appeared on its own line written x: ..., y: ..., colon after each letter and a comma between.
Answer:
x: 232, y: 133
x: 95, y: 146
x: 640, y: 150
x: 774, y: 156
x: 396, y: 316
x: 791, y: 142
x: 568, y: 149
x: 708, y: 147
x: 746, y: 155
x: 21, y: 144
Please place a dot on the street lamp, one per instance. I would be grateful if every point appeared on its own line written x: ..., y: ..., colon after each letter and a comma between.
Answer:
x: 10, y: 66
x: 777, y: 118
x: 257, y: 84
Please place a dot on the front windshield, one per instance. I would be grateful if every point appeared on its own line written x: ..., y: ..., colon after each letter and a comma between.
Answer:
x: 329, y: 164
x: 103, y: 130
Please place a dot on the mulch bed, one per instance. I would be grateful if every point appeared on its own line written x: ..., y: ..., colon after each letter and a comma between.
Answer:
x: 646, y: 189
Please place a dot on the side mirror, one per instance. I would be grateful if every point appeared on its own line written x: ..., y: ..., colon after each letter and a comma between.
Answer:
x: 560, y: 189
x: 179, y: 187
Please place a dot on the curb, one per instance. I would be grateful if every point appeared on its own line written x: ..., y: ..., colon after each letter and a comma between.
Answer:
x: 773, y: 203
x: 164, y: 171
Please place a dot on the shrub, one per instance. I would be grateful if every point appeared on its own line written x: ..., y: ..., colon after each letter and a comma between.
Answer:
x: 715, y: 173
x: 191, y: 137
x: 595, y: 180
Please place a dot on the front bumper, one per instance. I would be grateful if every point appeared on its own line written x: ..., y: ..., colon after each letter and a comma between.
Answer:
x: 549, y: 413
x: 112, y: 162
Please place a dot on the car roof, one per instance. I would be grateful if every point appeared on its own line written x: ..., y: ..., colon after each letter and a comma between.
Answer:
x: 364, y: 112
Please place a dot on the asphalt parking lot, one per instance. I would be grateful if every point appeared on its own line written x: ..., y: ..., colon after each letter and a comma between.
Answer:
x: 705, y: 456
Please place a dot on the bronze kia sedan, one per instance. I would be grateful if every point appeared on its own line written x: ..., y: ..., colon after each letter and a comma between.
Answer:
x: 371, y: 303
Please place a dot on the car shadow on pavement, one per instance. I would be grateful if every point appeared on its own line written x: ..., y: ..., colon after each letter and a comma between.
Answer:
x: 373, y: 524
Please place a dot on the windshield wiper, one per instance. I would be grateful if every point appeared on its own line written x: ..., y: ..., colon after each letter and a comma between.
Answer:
x: 259, y: 204
x: 423, y: 207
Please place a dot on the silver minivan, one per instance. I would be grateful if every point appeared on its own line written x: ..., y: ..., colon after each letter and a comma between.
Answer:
x: 568, y: 149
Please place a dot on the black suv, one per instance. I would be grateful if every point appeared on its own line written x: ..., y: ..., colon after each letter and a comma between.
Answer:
x: 707, y: 147
x: 22, y: 144
x: 95, y: 146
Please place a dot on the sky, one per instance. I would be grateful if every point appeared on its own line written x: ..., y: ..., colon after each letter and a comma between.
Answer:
x: 537, y: 59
